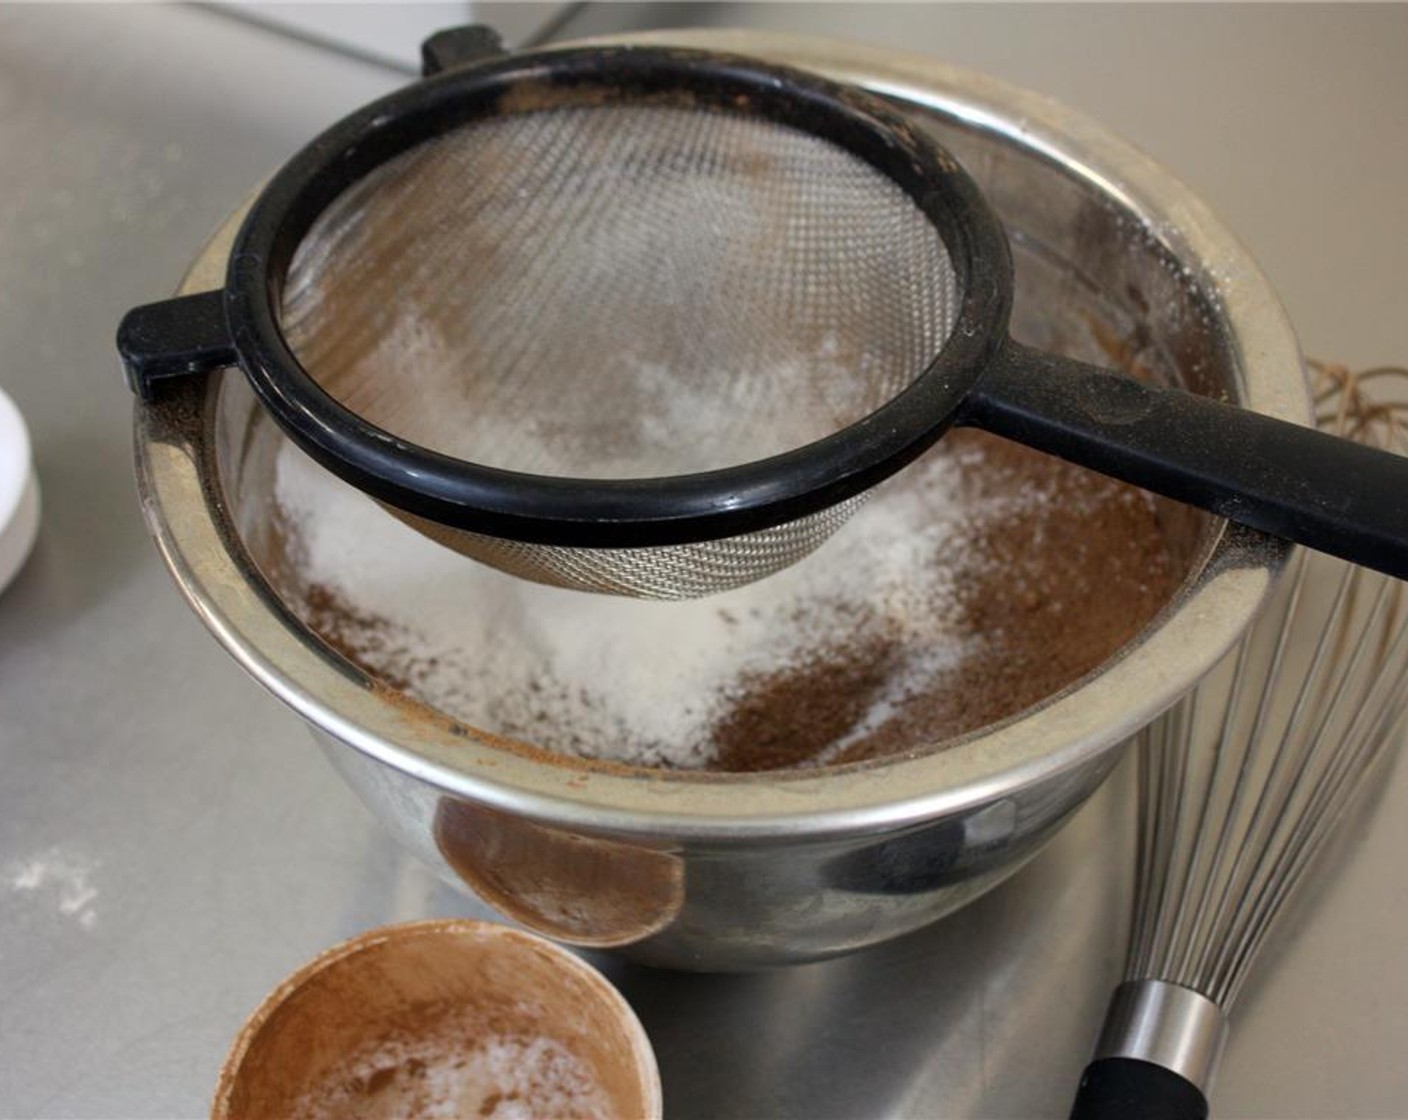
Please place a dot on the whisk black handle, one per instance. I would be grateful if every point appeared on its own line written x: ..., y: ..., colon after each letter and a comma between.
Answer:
x: 1129, y: 1089
x: 1330, y: 494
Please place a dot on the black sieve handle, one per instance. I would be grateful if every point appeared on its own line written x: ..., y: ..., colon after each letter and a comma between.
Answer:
x: 1130, y: 1089
x: 1330, y: 494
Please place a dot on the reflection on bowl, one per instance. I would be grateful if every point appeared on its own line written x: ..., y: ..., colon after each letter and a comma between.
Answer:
x: 578, y: 889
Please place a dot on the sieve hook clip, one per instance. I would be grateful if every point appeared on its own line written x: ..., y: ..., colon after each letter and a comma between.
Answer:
x: 174, y: 338
x: 459, y: 46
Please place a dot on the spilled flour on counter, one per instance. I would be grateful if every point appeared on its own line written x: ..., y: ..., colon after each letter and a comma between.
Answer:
x: 978, y: 581
x: 63, y: 875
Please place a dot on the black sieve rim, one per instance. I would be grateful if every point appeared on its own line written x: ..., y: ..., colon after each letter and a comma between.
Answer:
x: 617, y: 513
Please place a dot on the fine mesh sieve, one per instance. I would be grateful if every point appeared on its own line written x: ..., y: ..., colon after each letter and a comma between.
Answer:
x: 653, y: 322
x: 621, y: 292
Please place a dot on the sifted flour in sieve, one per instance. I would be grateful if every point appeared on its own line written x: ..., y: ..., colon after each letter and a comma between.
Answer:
x: 974, y: 584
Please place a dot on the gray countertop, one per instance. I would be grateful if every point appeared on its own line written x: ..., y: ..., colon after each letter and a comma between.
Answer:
x: 171, y: 843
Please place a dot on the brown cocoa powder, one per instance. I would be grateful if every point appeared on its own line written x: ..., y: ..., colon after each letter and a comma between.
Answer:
x: 1058, y: 590
x: 785, y: 718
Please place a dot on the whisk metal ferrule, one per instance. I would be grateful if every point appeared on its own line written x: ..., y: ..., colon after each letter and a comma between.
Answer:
x: 1167, y: 1025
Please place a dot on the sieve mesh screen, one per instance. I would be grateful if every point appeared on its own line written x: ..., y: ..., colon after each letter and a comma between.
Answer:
x: 684, y: 571
x: 619, y: 291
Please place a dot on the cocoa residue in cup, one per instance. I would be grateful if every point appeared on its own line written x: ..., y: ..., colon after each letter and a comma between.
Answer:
x: 439, y: 1019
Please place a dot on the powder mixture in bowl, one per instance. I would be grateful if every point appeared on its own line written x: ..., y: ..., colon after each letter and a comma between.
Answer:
x: 977, y: 582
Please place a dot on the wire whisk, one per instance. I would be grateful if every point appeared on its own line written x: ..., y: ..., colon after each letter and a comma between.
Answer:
x: 1240, y: 786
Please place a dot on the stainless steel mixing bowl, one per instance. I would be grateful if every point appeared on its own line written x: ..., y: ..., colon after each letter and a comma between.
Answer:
x: 737, y: 871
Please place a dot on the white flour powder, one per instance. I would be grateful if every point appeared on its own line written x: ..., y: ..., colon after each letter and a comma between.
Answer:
x: 635, y: 681
x: 496, y: 1077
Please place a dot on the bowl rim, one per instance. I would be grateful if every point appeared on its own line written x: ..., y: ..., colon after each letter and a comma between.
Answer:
x: 187, y: 514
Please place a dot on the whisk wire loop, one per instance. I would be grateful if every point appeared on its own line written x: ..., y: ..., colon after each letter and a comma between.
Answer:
x: 1196, y: 864
x: 1355, y: 758
x: 1276, y: 792
x: 1161, y: 799
x: 1227, y: 847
